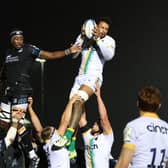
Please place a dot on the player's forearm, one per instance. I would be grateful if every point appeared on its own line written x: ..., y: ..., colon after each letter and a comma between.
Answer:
x: 67, y: 113
x: 37, y: 124
x: 101, y: 107
x: 54, y: 54
x: 103, y: 116
x: 121, y: 165
x: 35, y: 121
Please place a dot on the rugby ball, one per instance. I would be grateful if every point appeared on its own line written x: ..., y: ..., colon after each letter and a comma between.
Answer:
x: 88, y: 28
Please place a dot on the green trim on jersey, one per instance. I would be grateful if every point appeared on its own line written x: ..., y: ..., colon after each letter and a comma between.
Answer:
x: 87, y: 61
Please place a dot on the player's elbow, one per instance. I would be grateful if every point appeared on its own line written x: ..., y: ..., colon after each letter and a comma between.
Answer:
x: 109, y: 56
x: 104, y: 118
x: 65, y: 121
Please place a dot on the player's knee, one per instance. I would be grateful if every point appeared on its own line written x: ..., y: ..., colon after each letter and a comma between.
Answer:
x: 84, y: 96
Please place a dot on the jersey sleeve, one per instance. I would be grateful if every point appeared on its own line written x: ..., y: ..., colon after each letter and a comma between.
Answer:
x: 79, y: 40
x: 35, y: 51
x: 129, y: 137
x: 110, y: 138
x: 107, y: 47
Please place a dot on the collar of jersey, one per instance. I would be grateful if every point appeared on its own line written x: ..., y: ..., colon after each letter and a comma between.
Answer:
x: 148, y: 114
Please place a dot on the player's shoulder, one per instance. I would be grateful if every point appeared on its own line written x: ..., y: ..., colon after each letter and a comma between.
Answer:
x: 164, y: 121
x: 29, y: 46
x: 34, y: 50
x: 110, y: 38
x: 135, y: 122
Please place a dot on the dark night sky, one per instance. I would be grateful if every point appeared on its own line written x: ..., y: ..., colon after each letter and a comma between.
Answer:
x: 140, y: 30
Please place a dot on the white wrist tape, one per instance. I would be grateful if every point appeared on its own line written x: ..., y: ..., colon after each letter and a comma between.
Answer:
x: 83, y: 95
x: 80, y: 93
x: 67, y: 51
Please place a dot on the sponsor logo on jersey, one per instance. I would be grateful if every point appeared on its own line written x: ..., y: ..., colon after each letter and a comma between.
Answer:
x: 10, y: 58
x: 157, y: 128
x: 21, y: 50
x: 91, y: 147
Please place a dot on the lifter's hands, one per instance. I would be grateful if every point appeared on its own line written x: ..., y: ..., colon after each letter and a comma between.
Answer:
x: 98, y: 90
x: 74, y: 98
x: 75, y: 48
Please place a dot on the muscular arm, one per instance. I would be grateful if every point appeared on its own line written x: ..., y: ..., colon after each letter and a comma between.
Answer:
x: 11, y: 134
x: 107, y: 48
x: 103, y: 112
x: 125, y: 158
x: 59, y: 54
x: 66, y: 116
x: 51, y: 55
x: 34, y: 118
